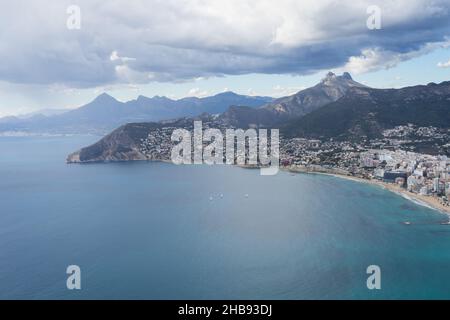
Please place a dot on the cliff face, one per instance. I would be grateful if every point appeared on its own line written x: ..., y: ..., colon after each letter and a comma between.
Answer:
x: 123, y: 144
x: 330, y: 89
x: 365, y: 112
x: 281, y: 110
x: 128, y: 142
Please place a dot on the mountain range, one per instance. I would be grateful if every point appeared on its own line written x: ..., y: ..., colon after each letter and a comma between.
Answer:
x: 281, y: 110
x: 338, y: 107
x: 105, y: 113
x: 363, y: 113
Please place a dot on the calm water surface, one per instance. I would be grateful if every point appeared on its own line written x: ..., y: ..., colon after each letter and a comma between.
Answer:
x: 159, y: 231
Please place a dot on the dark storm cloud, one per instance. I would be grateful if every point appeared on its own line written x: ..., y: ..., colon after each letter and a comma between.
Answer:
x: 176, y: 40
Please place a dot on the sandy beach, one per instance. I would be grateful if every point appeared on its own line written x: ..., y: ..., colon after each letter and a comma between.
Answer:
x: 427, y: 201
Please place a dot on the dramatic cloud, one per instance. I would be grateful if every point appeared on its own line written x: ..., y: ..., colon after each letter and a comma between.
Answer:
x: 137, y: 41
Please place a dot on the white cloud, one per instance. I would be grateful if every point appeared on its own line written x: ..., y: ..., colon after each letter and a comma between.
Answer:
x: 251, y: 92
x: 115, y: 57
x: 197, y: 92
x: 444, y: 64
x: 370, y: 60
x: 178, y: 40
x: 373, y: 59
x: 280, y: 91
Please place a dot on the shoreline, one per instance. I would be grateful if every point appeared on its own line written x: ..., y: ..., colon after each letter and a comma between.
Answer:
x: 425, y: 201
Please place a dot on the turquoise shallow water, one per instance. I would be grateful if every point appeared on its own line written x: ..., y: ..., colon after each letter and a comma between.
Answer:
x: 159, y: 231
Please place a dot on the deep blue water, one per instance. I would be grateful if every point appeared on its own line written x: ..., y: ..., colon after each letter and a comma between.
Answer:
x: 159, y: 231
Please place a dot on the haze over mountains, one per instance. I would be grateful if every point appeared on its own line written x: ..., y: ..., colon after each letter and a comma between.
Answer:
x: 105, y: 113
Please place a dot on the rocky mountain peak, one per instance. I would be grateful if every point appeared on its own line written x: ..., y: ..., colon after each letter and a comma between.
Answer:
x: 332, y: 79
x: 347, y: 76
x: 104, y: 97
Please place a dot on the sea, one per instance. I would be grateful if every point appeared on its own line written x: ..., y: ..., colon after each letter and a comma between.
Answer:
x: 150, y: 230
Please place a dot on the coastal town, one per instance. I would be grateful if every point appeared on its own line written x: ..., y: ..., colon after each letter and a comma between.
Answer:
x: 388, y: 161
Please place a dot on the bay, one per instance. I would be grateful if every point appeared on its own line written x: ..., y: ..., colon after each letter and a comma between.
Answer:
x: 150, y: 230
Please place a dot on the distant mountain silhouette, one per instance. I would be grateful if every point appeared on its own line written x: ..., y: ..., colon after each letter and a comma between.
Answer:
x: 105, y: 113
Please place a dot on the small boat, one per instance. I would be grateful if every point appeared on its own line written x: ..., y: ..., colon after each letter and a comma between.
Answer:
x: 407, y: 223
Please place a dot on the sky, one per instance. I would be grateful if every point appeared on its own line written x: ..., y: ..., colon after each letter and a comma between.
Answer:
x: 62, y: 54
